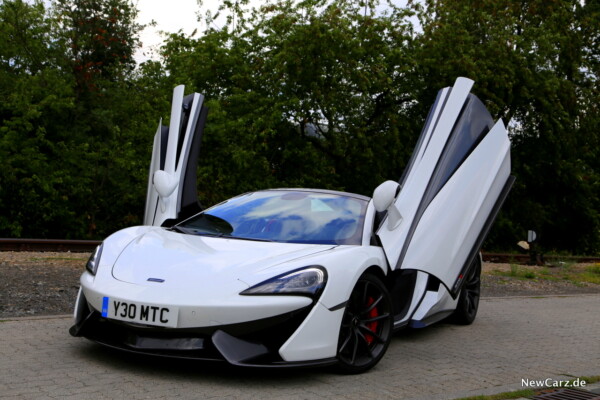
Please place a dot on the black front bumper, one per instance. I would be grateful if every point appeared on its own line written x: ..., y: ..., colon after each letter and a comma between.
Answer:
x: 254, y: 343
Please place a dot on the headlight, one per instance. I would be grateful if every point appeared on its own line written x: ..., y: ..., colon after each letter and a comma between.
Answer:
x: 308, y: 281
x: 92, y: 264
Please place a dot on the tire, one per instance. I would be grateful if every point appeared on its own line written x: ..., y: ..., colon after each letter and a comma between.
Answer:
x: 468, y: 300
x: 366, y: 329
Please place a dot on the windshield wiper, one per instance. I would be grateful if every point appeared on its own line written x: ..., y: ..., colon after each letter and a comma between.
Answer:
x: 176, y: 228
x: 222, y: 235
x: 189, y: 231
x: 192, y: 231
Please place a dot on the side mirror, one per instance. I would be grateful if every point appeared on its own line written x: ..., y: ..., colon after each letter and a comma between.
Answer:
x: 384, y: 195
x: 165, y: 184
x: 383, y: 199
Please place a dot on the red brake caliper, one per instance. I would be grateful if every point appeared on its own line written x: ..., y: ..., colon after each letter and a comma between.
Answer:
x: 371, y: 325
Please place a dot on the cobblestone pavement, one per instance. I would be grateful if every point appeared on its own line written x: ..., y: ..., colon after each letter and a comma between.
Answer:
x: 512, y: 339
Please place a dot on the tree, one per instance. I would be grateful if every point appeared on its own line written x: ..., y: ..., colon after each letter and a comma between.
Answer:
x: 309, y: 93
x: 532, y: 61
x: 76, y: 129
x: 35, y: 97
x: 102, y: 36
x: 312, y: 93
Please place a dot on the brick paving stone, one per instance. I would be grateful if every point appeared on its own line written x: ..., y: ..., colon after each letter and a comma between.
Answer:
x: 512, y: 339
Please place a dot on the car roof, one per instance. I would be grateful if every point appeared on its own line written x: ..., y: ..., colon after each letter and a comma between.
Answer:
x: 324, y: 191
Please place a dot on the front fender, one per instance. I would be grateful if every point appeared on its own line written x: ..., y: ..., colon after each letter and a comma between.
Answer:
x: 345, y: 264
x: 317, y: 337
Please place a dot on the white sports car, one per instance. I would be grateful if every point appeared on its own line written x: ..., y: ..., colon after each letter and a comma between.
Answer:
x: 299, y: 277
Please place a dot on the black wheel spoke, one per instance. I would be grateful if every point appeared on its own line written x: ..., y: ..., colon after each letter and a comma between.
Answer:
x: 355, y: 349
x: 346, y: 341
x: 366, y: 343
x: 377, y: 318
x: 362, y: 337
x: 468, y: 303
x: 473, y: 284
x: 473, y: 290
x: 373, y: 305
x: 372, y: 333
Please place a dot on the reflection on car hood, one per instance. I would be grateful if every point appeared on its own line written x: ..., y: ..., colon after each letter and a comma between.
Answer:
x: 182, y: 260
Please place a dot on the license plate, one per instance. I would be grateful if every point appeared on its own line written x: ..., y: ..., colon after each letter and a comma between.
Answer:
x: 141, y: 313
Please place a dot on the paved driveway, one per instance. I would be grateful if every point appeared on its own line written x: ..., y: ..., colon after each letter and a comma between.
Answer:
x: 512, y: 339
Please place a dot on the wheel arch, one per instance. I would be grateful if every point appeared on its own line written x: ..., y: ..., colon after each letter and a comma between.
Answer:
x: 368, y: 327
x: 378, y: 271
x: 344, y: 268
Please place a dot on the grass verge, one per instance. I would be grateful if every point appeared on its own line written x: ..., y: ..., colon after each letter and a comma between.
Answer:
x: 503, y: 396
x: 527, y: 393
x: 577, y: 274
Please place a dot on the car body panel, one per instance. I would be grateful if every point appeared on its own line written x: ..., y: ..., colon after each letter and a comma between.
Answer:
x: 434, y: 303
x: 458, y: 172
x: 455, y: 217
x: 183, y: 261
x: 114, y: 244
x: 420, y: 288
x: 316, y: 338
x: 421, y: 167
x: 218, y: 307
x: 203, y: 276
x: 171, y: 193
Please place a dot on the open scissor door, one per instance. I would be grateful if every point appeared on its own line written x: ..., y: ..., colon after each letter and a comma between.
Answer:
x: 172, y: 193
x: 451, y: 190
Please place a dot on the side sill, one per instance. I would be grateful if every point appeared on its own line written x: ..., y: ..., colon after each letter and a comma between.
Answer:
x: 430, y: 320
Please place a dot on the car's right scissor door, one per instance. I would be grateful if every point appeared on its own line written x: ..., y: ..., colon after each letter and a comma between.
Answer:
x: 452, y: 189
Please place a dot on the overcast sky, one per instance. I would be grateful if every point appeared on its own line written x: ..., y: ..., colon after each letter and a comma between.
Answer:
x: 173, y: 15
x: 170, y: 16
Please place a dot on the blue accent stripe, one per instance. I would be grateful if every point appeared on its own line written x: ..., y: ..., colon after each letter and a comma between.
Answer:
x: 105, y: 307
x: 417, y: 324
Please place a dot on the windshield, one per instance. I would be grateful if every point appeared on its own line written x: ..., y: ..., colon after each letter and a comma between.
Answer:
x: 283, y: 216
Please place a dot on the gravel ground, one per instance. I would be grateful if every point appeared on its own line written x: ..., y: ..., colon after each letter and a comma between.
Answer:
x: 505, y: 286
x: 34, y: 284
x: 39, y: 283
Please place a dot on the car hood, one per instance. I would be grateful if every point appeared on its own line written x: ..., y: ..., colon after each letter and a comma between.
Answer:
x: 181, y: 260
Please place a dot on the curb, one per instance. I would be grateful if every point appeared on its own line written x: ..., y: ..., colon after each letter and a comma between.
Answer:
x: 539, y: 296
x: 36, y: 318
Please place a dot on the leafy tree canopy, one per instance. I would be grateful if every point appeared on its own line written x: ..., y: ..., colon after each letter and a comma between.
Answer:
x: 313, y: 93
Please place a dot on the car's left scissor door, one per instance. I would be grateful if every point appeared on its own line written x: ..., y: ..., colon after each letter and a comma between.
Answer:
x: 172, y: 193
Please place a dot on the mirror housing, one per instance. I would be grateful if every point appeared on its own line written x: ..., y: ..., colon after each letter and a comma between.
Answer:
x: 165, y: 184
x: 383, y: 199
x: 384, y: 195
